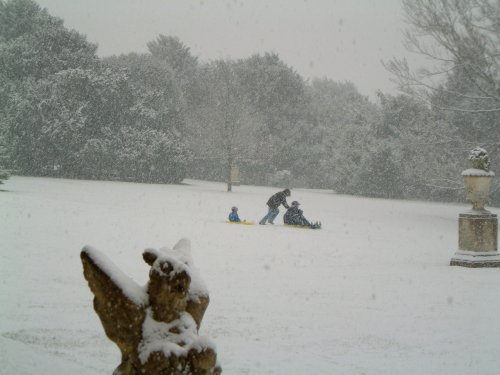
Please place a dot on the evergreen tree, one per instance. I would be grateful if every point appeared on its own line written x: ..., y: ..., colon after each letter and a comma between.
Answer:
x: 345, y: 124
x: 34, y: 48
x: 52, y: 119
x: 177, y: 56
x: 378, y: 173
x: 159, y: 101
x: 158, y: 113
x: 34, y: 44
x: 428, y: 148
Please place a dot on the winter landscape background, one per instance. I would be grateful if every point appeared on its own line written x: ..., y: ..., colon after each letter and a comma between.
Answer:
x: 161, y: 113
x: 370, y: 293
x: 116, y: 151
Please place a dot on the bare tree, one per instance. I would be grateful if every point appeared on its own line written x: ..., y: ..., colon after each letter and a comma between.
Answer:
x: 461, y: 38
x: 223, y: 131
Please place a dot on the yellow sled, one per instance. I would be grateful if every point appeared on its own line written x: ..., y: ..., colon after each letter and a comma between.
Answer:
x: 241, y: 222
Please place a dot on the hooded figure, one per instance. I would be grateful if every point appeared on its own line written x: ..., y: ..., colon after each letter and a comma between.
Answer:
x: 295, y: 216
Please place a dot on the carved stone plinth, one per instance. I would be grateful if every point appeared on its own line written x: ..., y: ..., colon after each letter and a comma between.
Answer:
x: 477, y: 232
x: 477, y: 240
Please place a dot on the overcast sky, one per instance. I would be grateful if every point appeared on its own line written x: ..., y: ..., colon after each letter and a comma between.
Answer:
x: 344, y: 40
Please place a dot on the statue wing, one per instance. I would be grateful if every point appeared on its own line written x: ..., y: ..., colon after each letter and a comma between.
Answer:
x: 119, y: 302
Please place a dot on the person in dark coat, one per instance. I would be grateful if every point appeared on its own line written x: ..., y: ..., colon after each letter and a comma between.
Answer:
x: 295, y: 216
x: 273, y: 203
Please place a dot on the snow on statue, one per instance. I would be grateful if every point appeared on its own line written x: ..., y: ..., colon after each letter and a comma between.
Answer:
x: 156, y: 326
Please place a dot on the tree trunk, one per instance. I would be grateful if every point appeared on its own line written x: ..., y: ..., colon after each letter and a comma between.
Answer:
x: 229, y: 183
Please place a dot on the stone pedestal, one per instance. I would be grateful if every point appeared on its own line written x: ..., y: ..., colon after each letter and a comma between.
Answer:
x: 477, y: 228
x: 477, y: 232
x: 477, y: 240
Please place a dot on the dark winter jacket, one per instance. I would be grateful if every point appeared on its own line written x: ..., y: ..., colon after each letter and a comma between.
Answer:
x: 294, y: 216
x: 277, y: 199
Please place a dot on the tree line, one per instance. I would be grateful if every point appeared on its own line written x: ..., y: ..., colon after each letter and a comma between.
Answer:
x: 163, y: 116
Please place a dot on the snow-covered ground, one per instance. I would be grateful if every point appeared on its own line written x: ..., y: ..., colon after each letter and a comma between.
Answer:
x: 370, y: 293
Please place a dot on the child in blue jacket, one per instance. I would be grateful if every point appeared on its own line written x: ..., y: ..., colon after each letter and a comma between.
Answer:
x: 233, y: 216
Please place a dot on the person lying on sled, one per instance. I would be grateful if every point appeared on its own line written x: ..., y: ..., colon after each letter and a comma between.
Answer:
x: 294, y: 216
x: 233, y: 216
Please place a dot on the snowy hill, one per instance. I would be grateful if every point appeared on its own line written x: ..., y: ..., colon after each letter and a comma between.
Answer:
x: 370, y: 293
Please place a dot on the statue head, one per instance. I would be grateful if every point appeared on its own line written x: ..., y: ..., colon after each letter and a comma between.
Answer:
x: 168, y: 286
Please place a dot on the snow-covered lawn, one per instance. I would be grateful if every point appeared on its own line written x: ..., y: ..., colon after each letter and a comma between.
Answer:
x: 370, y: 293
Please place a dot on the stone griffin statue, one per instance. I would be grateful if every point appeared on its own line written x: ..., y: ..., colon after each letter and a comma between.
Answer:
x: 155, y: 326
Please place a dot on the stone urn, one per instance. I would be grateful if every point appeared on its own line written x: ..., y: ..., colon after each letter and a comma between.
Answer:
x: 477, y: 228
x: 478, y: 187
